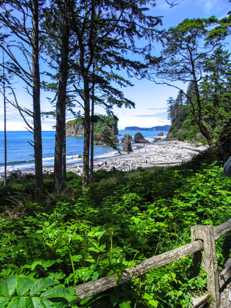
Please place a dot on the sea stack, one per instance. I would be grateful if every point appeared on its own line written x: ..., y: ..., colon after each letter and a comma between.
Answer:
x: 127, y: 143
x: 139, y: 138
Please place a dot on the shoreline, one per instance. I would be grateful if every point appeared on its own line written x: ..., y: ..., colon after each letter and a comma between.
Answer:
x: 159, y: 153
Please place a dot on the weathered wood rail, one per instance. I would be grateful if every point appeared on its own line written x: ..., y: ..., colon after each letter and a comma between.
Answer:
x: 203, y: 244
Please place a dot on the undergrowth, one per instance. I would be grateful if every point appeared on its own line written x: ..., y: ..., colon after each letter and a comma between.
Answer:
x: 119, y: 221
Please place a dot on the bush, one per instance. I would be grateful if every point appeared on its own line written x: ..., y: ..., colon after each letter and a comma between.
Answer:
x: 121, y: 220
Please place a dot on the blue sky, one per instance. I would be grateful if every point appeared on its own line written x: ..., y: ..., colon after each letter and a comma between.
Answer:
x: 150, y: 99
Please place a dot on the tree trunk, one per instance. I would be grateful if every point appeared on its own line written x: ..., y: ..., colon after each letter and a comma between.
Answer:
x: 86, y: 56
x: 202, y: 127
x: 87, y: 128
x: 60, y: 136
x: 36, y: 98
x: 198, y: 111
x: 205, y: 132
x: 92, y: 132
x: 4, y: 115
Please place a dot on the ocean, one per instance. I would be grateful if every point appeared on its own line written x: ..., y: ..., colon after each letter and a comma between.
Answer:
x: 20, y: 150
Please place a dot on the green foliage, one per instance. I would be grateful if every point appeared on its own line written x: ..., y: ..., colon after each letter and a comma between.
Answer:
x: 221, y: 30
x: 23, y: 291
x: 121, y: 220
x: 184, y: 129
x: 191, y: 55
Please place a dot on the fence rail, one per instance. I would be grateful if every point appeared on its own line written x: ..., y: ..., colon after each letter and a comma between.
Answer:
x: 203, y: 243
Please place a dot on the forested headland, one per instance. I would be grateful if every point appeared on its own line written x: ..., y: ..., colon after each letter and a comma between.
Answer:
x: 60, y: 229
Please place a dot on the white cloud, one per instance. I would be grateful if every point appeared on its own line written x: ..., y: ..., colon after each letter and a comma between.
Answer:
x: 153, y: 115
x: 21, y: 126
x: 134, y: 118
x: 14, y: 125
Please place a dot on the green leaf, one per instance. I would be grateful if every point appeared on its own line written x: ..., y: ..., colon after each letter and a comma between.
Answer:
x: 61, y: 292
x: 20, y: 302
x: 125, y: 305
x: 76, y: 258
x: 8, y: 286
x: 33, y: 302
x: 3, y: 301
x: 44, y: 303
x: 42, y: 263
x: 37, y: 302
x: 23, y: 285
x: 49, y: 304
x: 96, y: 233
x: 40, y: 285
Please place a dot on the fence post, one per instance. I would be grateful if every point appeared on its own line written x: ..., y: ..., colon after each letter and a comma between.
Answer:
x: 209, y: 262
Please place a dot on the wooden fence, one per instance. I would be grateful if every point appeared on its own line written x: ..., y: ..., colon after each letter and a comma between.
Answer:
x: 202, y: 247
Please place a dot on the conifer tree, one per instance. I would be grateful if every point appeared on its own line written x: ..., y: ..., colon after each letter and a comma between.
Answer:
x: 58, y: 32
x: 182, y: 59
x: 106, y: 31
x: 21, y: 21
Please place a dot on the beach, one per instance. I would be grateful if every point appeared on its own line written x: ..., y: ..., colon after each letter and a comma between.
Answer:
x: 160, y: 153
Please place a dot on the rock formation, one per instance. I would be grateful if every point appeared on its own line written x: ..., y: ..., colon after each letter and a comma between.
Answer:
x: 74, y: 128
x: 139, y: 138
x: 127, y: 143
x: 105, y: 129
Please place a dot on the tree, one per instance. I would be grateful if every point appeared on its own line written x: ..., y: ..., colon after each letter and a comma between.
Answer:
x: 3, y: 83
x: 171, y: 109
x: 182, y: 59
x: 21, y: 20
x: 58, y: 46
x: 215, y: 90
x: 106, y: 31
x: 92, y: 126
x: 60, y: 139
x: 176, y: 107
x: 222, y: 28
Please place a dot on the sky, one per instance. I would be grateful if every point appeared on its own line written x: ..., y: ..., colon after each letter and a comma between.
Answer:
x: 150, y: 99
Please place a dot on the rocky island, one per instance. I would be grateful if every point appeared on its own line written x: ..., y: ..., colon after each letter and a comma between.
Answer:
x: 105, y: 129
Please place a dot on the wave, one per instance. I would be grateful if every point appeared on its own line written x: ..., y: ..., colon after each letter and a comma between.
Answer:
x: 48, y: 162
x: 30, y: 161
x: 17, y: 162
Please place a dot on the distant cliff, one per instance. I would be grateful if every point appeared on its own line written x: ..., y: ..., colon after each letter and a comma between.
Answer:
x: 105, y: 129
x: 164, y: 128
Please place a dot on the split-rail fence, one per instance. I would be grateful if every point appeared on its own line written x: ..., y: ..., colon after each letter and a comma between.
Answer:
x: 202, y: 247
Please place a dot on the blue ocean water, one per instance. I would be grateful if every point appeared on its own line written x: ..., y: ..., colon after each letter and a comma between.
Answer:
x: 20, y: 150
